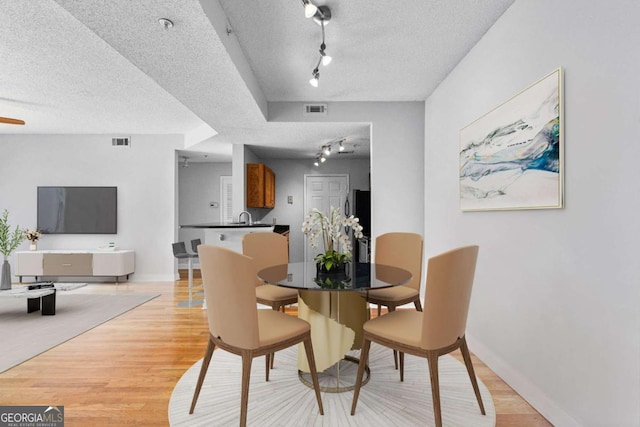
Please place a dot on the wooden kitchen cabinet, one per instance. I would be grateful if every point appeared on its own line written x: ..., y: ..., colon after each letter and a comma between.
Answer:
x: 261, y: 186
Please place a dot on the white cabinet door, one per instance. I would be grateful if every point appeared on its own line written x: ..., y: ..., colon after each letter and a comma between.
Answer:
x: 29, y: 263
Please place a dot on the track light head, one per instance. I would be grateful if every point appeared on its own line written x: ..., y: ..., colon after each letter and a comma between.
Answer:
x: 326, y: 150
x: 326, y: 59
x: 316, y: 76
x: 341, y: 147
x: 323, y: 159
x: 309, y: 9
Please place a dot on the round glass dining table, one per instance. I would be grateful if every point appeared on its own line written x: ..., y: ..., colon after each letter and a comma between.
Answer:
x: 335, y: 306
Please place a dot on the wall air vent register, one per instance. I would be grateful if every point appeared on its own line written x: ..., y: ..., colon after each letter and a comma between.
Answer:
x: 121, y: 142
x: 315, y: 109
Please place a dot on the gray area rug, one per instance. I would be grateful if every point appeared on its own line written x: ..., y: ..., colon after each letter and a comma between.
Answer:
x: 285, y: 401
x: 25, y: 335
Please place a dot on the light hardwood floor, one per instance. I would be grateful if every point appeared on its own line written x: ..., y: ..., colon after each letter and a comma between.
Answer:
x: 123, y: 372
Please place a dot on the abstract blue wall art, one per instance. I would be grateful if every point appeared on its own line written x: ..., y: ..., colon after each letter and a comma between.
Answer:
x: 511, y: 158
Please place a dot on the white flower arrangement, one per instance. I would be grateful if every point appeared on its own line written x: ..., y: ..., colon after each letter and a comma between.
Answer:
x: 32, y: 235
x: 335, y: 237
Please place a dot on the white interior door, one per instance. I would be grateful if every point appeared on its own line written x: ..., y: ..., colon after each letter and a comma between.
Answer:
x: 323, y: 192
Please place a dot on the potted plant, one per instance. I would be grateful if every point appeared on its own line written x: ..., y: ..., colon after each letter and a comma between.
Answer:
x: 32, y: 236
x: 335, y: 238
x: 9, y: 241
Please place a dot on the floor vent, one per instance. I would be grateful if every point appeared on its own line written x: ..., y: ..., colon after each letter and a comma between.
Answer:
x: 315, y: 109
x: 121, y: 142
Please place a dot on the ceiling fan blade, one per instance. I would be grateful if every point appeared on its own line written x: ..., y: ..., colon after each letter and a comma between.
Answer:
x: 11, y: 121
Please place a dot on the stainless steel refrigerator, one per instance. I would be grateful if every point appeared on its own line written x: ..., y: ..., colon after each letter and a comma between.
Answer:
x: 359, y: 205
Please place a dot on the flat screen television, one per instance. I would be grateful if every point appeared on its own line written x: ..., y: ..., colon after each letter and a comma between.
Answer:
x: 78, y: 210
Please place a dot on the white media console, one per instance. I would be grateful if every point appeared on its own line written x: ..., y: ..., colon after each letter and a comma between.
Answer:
x: 65, y: 263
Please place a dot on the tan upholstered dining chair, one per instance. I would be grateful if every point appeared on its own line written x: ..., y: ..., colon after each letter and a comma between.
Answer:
x: 403, y: 250
x: 439, y: 330
x: 268, y: 249
x: 237, y: 326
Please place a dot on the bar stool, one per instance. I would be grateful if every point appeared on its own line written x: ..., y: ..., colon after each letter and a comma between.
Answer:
x: 180, y: 252
x: 194, y: 247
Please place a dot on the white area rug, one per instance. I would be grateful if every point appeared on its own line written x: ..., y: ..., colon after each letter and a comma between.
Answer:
x: 25, y: 335
x: 285, y: 401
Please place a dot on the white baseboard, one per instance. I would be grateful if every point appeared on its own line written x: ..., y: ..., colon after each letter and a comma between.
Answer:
x: 532, y: 394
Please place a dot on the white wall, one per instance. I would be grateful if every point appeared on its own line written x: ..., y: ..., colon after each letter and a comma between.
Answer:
x: 143, y: 173
x: 555, y: 305
x: 397, y: 147
x: 199, y: 185
x: 290, y: 182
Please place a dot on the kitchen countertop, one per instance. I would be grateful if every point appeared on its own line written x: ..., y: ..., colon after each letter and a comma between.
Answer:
x: 224, y: 225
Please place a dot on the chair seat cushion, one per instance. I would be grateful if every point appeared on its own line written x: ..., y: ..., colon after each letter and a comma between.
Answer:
x: 274, y: 327
x: 404, y: 326
x: 395, y: 293
x: 275, y: 293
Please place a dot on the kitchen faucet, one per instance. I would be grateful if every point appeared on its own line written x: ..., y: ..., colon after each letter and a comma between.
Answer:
x: 248, y: 215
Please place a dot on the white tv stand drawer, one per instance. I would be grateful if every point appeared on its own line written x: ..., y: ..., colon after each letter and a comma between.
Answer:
x: 96, y: 263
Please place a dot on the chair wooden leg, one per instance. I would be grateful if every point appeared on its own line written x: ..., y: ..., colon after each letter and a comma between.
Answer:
x: 267, y: 366
x: 272, y: 356
x: 247, y: 358
x: 464, y: 349
x: 432, y: 358
x: 203, y: 372
x: 395, y: 352
x: 418, y: 305
x: 401, y: 366
x: 364, y: 358
x: 308, y: 348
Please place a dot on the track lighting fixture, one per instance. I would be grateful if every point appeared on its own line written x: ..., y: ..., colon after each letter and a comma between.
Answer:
x: 322, y: 15
x: 327, y: 149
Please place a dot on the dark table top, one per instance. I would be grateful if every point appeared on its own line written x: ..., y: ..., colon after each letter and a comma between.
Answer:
x: 357, y: 277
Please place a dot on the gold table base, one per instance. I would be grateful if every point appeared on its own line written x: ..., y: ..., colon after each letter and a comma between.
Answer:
x: 338, y: 377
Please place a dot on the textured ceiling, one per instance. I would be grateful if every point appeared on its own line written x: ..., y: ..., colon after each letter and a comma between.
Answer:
x: 108, y: 67
x: 382, y: 50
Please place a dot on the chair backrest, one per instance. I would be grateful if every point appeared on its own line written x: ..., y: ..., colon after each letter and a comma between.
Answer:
x: 179, y: 249
x: 446, y: 301
x: 230, y: 294
x: 194, y: 245
x: 266, y: 249
x: 403, y: 250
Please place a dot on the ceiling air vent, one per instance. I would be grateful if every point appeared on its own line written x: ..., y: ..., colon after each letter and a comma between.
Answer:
x: 121, y: 142
x: 315, y: 109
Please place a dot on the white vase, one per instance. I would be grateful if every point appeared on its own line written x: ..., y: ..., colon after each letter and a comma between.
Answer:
x: 33, y: 246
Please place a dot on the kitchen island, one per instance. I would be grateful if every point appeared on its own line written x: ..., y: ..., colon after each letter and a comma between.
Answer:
x: 228, y: 235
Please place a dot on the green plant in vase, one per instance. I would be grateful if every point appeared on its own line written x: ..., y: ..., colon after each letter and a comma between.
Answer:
x: 9, y: 241
x: 334, y: 231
